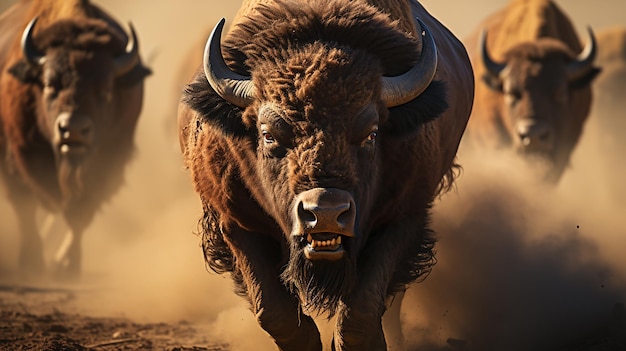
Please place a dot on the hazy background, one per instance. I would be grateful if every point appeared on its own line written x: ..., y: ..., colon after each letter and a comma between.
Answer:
x: 514, y: 259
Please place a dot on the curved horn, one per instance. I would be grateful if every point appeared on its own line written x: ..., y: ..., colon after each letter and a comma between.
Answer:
x: 31, y: 53
x: 584, y: 61
x: 232, y: 87
x: 494, y: 68
x: 406, y: 87
x: 129, y: 59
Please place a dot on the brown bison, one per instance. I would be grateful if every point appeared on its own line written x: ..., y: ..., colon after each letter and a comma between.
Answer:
x: 317, y: 137
x: 71, y: 90
x: 533, y: 91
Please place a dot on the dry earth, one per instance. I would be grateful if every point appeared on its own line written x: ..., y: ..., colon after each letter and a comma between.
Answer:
x: 520, y: 268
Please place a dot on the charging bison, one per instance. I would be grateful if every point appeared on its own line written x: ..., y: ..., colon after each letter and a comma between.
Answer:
x: 317, y: 144
x: 533, y: 91
x: 70, y: 96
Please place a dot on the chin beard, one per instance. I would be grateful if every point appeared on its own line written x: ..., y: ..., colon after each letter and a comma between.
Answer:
x: 70, y: 179
x: 321, y: 284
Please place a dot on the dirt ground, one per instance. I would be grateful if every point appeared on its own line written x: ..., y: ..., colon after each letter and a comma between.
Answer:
x: 41, y: 319
x: 518, y: 268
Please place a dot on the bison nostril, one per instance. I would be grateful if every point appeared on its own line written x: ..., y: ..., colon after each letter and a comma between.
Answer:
x: 525, y: 138
x: 63, y: 124
x: 306, y: 216
x: 534, y: 133
x: 346, y: 218
x: 63, y: 129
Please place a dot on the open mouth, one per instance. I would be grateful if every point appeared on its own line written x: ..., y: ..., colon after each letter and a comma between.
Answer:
x: 73, y: 149
x: 324, y: 246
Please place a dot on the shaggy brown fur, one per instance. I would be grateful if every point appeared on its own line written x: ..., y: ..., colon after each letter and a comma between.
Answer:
x: 537, y: 40
x: 78, y: 80
x: 317, y: 67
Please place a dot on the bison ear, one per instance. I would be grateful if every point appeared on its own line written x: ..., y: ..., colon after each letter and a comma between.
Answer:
x: 200, y: 97
x: 493, y: 82
x: 25, y: 72
x: 585, y: 80
x: 136, y: 75
x: 408, y: 118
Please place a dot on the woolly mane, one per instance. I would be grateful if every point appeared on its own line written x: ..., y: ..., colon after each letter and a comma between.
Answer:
x: 84, y: 34
x: 88, y: 34
x: 341, y: 22
x: 541, y: 49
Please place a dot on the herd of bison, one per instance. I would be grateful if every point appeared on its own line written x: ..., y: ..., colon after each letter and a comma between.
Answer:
x: 529, y: 237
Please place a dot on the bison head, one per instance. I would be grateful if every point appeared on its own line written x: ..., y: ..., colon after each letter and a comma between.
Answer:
x: 79, y: 67
x: 315, y: 119
x: 538, y: 82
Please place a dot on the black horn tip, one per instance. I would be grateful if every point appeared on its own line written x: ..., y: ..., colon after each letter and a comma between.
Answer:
x: 494, y: 68
x: 130, y: 58
x: 31, y: 53
x: 401, y: 89
x: 232, y: 87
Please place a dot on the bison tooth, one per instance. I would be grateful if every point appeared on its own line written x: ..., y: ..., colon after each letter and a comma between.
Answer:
x: 333, y: 242
x: 327, y: 243
x: 309, y: 238
x: 339, y: 240
x: 65, y: 148
x: 313, y: 243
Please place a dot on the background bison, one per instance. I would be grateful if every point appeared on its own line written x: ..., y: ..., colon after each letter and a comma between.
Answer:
x: 533, y: 90
x: 70, y: 96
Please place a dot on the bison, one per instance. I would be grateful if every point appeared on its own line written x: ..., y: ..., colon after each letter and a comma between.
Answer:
x: 533, y: 91
x: 317, y: 137
x: 71, y: 91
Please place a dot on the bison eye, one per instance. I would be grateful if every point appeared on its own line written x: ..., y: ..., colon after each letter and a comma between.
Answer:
x: 371, y: 137
x: 268, y: 138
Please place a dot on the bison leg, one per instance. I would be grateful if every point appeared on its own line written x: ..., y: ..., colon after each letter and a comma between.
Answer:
x: 392, y: 324
x: 359, y: 327
x: 359, y: 321
x: 68, y: 257
x: 31, y: 256
x: 277, y: 311
x: 24, y: 203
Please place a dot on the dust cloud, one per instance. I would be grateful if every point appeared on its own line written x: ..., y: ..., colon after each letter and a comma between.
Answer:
x: 520, y: 266
x: 517, y: 263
